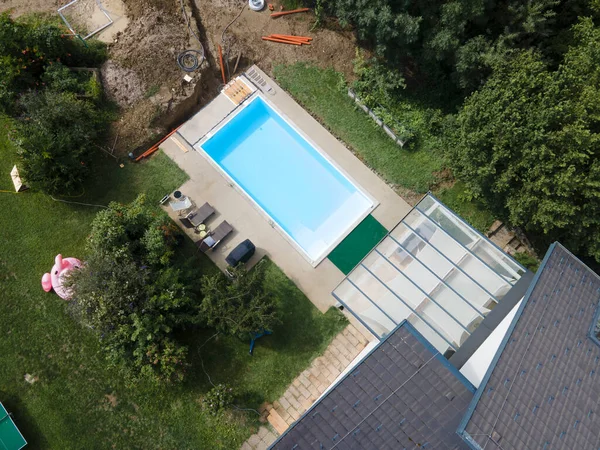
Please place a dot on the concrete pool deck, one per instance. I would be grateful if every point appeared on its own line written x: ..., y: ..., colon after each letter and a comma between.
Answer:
x: 208, y: 184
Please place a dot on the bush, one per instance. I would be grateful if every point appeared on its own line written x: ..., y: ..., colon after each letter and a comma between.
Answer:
x: 83, y: 84
x: 375, y: 82
x: 32, y: 46
x: 55, y: 136
x: 240, y: 306
x: 131, y: 296
x: 527, y: 261
x: 527, y: 144
x: 218, y: 398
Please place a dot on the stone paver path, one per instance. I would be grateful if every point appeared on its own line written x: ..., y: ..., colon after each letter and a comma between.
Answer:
x: 308, y: 387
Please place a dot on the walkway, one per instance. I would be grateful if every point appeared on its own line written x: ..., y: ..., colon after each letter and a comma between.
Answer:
x: 308, y: 387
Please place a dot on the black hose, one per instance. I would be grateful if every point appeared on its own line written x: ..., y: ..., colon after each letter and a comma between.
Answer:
x: 190, y: 60
x: 231, y: 23
x: 187, y: 20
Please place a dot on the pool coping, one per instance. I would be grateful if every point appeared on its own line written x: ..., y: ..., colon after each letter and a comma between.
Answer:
x: 207, y: 184
x: 197, y: 146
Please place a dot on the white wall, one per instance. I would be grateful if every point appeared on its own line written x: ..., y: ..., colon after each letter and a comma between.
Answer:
x: 477, y: 365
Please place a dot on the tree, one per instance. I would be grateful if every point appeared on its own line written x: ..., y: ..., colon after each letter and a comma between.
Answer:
x: 55, y: 135
x: 528, y: 143
x: 129, y: 293
x: 56, y: 129
x: 29, y: 47
x: 376, y: 82
x: 459, y: 39
x: 239, y: 306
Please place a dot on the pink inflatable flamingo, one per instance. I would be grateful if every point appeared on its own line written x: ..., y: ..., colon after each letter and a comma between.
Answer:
x: 54, y: 280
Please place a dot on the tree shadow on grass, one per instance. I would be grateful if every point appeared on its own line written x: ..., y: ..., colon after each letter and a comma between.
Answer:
x: 24, y: 421
x: 155, y: 177
x: 303, y: 334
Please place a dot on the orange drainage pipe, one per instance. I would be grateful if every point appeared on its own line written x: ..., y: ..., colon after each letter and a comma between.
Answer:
x: 283, y: 13
x: 222, y: 65
x: 155, y: 146
x: 281, y: 41
x: 290, y: 36
x: 290, y: 40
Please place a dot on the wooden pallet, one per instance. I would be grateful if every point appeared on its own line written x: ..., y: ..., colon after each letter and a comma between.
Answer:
x: 237, y: 91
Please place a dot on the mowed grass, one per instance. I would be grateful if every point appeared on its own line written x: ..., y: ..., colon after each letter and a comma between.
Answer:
x: 68, y: 407
x: 322, y: 92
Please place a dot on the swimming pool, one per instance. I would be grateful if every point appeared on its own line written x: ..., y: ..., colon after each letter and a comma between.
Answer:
x: 299, y: 189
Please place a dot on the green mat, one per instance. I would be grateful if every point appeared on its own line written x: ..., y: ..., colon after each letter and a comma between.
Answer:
x: 357, y: 244
x: 10, y: 437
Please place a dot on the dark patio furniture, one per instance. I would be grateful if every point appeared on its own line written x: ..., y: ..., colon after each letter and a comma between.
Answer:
x: 241, y: 254
x: 197, y: 217
x: 215, y: 236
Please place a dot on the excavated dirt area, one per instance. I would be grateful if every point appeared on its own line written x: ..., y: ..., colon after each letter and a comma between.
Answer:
x: 329, y: 48
x: 142, y: 75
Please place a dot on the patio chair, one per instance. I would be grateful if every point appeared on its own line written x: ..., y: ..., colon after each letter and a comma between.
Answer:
x: 198, y: 216
x: 215, y: 237
x: 181, y: 206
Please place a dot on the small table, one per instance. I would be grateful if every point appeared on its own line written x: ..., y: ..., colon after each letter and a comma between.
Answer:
x: 203, y: 234
x: 201, y: 227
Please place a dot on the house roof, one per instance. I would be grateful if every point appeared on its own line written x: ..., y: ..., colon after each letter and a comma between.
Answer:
x: 542, y: 389
x: 404, y: 394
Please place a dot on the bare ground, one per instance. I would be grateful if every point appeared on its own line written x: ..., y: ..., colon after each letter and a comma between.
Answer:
x: 328, y: 49
x: 142, y: 75
x: 19, y: 7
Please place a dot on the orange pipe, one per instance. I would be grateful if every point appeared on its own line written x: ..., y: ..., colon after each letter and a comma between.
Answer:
x: 222, y: 65
x: 290, y: 41
x: 283, y: 13
x: 282, y: 41
x: 290, y: 36
x: 302, y: 41
x: 155, y: 146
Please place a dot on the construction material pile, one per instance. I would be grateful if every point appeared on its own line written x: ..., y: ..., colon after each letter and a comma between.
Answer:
x: 288, y: 39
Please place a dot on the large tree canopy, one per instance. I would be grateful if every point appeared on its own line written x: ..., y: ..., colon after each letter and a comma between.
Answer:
x: 458, y: 38
x: 60, y: 117
x: 131, y: 295
x: 55, y: 135
x: 31, y: 45
x: 239, y: 306
x: 528, y: 143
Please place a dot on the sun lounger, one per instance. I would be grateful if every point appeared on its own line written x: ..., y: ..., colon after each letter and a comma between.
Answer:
x: 198, y: 216
x: 215, y: 236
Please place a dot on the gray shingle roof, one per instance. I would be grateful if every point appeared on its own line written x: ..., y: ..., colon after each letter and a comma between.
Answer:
x: 544, y: 390
x: 404, y: 394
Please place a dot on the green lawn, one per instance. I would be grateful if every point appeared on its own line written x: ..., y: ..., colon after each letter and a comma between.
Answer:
x: 323, y: 93
x: 67, y: 407
x: 320, y: 92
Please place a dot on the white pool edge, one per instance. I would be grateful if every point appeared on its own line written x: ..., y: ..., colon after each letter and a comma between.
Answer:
x: 273, y: 223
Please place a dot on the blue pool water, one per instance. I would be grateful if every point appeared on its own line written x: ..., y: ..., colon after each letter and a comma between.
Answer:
x: 309, y: 198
